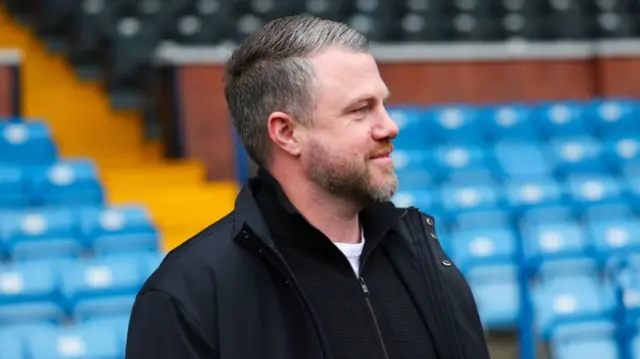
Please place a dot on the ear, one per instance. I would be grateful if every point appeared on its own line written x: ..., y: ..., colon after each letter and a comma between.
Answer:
x: 282, y: 131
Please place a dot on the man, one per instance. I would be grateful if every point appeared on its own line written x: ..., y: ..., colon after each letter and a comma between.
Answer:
x: 315, y: 261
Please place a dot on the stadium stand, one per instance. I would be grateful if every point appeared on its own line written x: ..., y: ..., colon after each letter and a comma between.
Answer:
x: 538, y: 204
x: 71, y: 262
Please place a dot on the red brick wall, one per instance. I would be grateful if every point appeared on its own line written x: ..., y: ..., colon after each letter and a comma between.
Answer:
x: 207, y: 128
x: 6, y: 91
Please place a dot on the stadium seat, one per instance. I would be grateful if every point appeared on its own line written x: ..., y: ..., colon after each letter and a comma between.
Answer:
x: 13, y: 189
x: 483, y: 247
x: 555, y: 240
x: 482, y: 220
x: 521, y: 159
x: 29, y: 292
x: 523, y: 194
x: 119, y: 229
x: 455, y: 124
x: 615, y: 236
x: 26, y: 143
x: 554, y: 268
x: 103, y: 306
x: 547, y: 214
x: 415, y: 168
x: 92, y: 342
x: 559, y: 119
x: 608, y: 117
x: 571, y: 299
x: 495, y: 288
x: 68, y: 182
x: 40, y: 234
x: 413, y: 128
x: 118, y: 323
x: 507, y: 122
x: 622, y: 151
x: 99, y: 278
x: 588, y: 339
x: 585, y: 190
x: 460, y: 198
x: 576, y: 155
x: 615, y: 210
x: 425, y: 200
x: 462, y: 163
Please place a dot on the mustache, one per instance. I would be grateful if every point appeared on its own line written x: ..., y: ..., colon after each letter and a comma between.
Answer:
x: 382, y: 151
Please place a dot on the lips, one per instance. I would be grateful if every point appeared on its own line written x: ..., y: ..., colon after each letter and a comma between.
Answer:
x: 382, y: 154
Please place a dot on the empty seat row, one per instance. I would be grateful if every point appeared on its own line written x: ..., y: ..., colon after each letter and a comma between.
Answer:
x: 420, y: 126
x: 104, y: 339
x: 64, y: 182
x: 55, y: 290
x: 579, y: 193
x: 27, y: 143
x: 506, y: 159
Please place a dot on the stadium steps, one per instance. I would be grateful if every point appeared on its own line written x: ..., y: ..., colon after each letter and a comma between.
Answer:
x: 84, y: 124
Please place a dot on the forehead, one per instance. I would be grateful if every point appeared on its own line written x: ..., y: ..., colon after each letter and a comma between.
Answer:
x: 343, y: 76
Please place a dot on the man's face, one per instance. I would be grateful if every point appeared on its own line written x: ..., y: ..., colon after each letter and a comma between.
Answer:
x: 346, y: 150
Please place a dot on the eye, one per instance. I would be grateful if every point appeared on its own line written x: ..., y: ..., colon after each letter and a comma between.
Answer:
x: 363, y: 110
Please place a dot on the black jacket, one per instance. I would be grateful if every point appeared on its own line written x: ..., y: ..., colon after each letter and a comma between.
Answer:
x: 228, y: 293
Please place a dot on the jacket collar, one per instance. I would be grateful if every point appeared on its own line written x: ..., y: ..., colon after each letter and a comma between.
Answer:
x: 376, y: 219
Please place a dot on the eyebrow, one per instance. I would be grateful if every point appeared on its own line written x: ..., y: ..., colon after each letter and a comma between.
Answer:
x: 368, y: 97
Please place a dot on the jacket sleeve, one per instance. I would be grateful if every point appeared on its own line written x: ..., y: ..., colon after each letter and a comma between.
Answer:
x: 160, y: 328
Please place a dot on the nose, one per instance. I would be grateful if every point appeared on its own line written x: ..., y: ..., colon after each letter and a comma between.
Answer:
x: 386, y: 128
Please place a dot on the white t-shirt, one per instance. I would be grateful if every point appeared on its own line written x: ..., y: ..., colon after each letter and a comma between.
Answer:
x: 352, y: 251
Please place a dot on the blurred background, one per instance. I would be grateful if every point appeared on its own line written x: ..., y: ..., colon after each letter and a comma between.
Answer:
x: 520, y: 133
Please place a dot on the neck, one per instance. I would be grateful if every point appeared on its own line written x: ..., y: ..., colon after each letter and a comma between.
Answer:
x: 336, y: 218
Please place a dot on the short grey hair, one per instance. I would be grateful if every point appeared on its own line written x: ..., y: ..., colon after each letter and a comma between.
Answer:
x: 270, y: 71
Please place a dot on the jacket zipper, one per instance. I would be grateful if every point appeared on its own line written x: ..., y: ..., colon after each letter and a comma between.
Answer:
x: 275, y: 259
x: 443, y: 291
x: 367, y: 294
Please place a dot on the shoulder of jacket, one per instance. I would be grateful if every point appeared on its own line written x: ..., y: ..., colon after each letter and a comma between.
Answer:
x: 195, y: 257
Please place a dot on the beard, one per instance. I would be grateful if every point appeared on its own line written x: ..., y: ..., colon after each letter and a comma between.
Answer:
x: 348, y: 177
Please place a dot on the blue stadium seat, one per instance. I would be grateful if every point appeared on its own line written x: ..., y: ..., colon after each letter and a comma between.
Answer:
x: 40, y: 234
x: 612, y: 116
x: 460, y: 198
x: 615, y: 236
x: 585, y: 190
x: 415, y: 168
x: 92, y: 342
x: 557, y: 240
x: 68, y: 182
x: 119, y: 229
x: 571, y: 299
x: 507, y: 122
x: 548, y: 214
x: 29, y: 292
x: 426, y: 200
x: 495, y: 288
x: 566, y: 267
x: 576, y: 155
x: 26, y: 143
x: 455, y: 124
x: 13, y: 338
x: 103, y: 306
x: 483, y: 247
x: 588, y: 339
x: 526, y: 194
x: 622, y: 151
x: 462, y: 162
x: 559, y: 119
x: 412, y: 124
x: 101, y: 277
x: 521, y: 159
x: 13, y: 190
x: 119, y: 324
x: 615, y: 210
x: 482, y: 220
